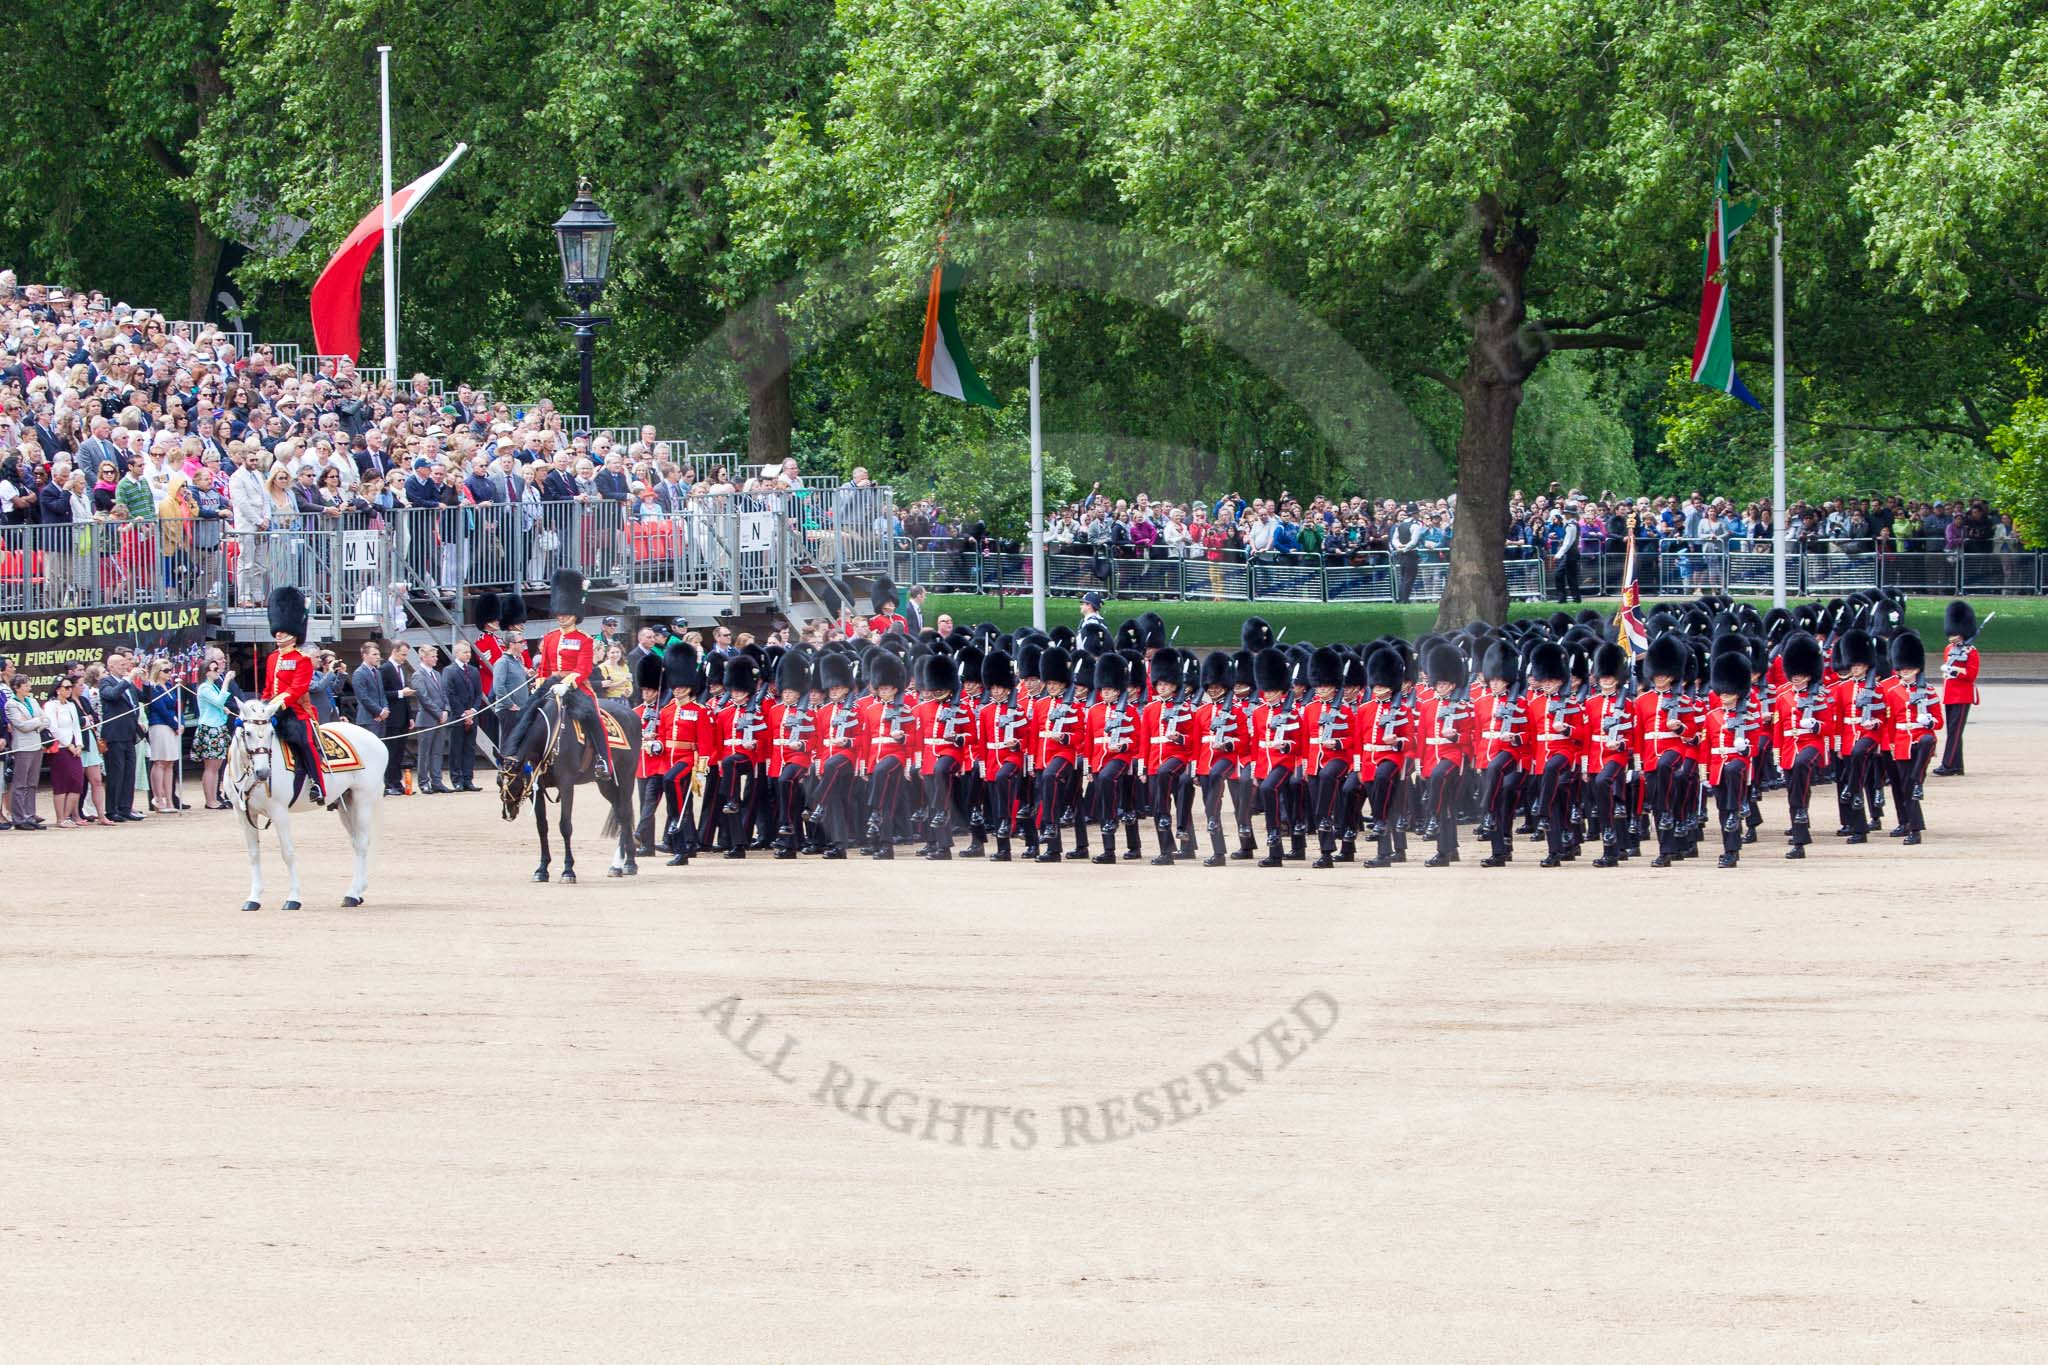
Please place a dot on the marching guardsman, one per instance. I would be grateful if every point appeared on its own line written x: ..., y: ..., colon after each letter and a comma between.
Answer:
x: 1859, y: 725
x: 945, y: 729
x: 1443, y: 731
x: 1731, y: 745
x: 883, y: 599
x: 888, y: 730
x: 1664, y: 720
x: 287, y: 675
x: 651, y: 780
x: 717, y: 701
x: 1326, y: 725
x: 743, y: 745
x: 1278, y: 747
x: 1500, y: 725
x: 1165, y: 743
x: 791, y: 749
x: 567, y: 656
x: 1381, y: 721
x: 1056, y: 730
x: 1553, y: 744
x: 1607, y: 745
x: 1111, y: 731
x: 1002, y: 741
x: 1912, y: 716
x: 834, y: 807
x: 1803, y: 725
x: 1959, y: 664
x: 689, y: 739
x: 1220, y: 736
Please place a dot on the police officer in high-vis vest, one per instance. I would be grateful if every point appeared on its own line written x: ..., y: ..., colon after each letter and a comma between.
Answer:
x: 286, y: 677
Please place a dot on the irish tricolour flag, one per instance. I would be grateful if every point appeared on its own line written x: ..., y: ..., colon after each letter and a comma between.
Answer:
x: 942, y: 363
x: 1713, y: 354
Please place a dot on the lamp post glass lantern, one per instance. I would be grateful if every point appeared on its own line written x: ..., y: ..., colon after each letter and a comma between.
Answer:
x: 584, y: 237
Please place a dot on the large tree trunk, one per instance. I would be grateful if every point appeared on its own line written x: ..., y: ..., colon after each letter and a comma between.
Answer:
x: 206, y: 249
x: 1501, y: 358
x: 761, y: 347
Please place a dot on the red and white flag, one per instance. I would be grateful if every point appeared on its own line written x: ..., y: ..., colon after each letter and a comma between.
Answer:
x: 338, y: 293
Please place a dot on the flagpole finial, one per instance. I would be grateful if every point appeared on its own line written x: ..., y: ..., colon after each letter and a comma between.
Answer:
x: 582, y: 187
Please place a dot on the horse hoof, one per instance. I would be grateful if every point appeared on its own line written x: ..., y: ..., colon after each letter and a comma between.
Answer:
x: 351, y: 902
x: 541, y: 875
x: 568, y: 879
x: 632, y: 869
x: 290, y: 905
x: 615, y: 872
x: 252, y: 905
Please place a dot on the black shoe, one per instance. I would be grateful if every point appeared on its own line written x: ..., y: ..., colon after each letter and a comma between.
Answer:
x: 974, y: 850
x: 1946, y: 772
x: 1606, y: 860
x: 1001, y: 855
x: 834, y: 854
x: 1322, y: 861
x: 785, y: 853
x: 1661, y: 860
x: 1550, y: 862
x: 1726, y: 860
x: 645, y: 850
x: 1050, y: 855
x: 1272, y: 858
x: 680, y: 860
x: 1912, y: 838
x: 1131, y: 855
x: 1796, y: 851
x: 737, y: 852
x: 1491, y: 861
x: 1347, y: 850
x: 1898, y: 832
x: 1215, y: 860
x: 886, y: 853
x: 1163, y: 860
x: 1857, y: 839
x: 1104, y: 859
x: 1377, y: 862
x: 1245, y: 854
x: 1186, y: 850
x: 1436, y: 860
x: 1400, y: 855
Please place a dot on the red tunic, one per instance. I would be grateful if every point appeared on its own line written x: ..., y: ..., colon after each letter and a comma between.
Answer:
x: 1553, y: 729
x: 1499, y: 726
x: 793, y: 739
x: 839, y: 731
x: 286, y: 676
x: 1220, y: 733
x: 488, y: 651
x: 685, y: 732
x: 1112, y: 732
x: 1166, y: 731
x: 743, y: 732
x: 1859, y: 713
x: 1601, y: 738
x: 570, y: 653
x: 1383, y: 736
x: 1906, y: 723
x: 887, y: 732
x: 945, y: 730
x: 1341, y: 745
x: 1724, y: 745
x: 1002, y: 734
x: 1443, y: 731
x: 1666, y: 722
x: 1959, y: 675
x: 1789, y: 730
x: 1277, y: 739
x: 1058, y: 729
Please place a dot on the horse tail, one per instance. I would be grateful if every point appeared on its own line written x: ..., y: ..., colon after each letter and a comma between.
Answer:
x: 612, y: 827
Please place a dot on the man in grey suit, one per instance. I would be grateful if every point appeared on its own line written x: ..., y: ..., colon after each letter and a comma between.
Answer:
x: 430, y: 719
x: 120, y: 731
x: 511, y: 687
x: 372, y: 707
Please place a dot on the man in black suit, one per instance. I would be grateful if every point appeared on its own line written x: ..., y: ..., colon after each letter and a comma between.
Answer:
x: 121, y: 730
x: 612, y: 482
x: 371, y: 460
x: 465, y: 682
x: 558, y: 485
x: 480, y: 486
x: 398, y: 698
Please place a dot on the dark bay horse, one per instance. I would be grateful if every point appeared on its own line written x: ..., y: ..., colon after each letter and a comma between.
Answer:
x: 550, y: 752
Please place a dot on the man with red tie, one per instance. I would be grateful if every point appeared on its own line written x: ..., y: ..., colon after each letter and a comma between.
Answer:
x: 567, y: 656
x: 287, y: 675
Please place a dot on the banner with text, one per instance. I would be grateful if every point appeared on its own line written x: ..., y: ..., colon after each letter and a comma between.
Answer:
x: 44, y: 644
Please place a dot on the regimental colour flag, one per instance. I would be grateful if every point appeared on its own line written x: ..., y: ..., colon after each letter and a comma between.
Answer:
x: 1713, y: 354
x: 942, y: 363
x: 1628, y: 621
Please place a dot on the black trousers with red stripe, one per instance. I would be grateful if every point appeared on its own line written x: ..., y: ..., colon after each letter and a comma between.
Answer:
x: 1954, y: 716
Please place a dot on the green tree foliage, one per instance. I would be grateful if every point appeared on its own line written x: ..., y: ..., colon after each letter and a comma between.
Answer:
x: 2023, y: 478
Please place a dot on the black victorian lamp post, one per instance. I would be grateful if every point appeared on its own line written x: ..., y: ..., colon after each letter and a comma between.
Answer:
x: 584, y: 234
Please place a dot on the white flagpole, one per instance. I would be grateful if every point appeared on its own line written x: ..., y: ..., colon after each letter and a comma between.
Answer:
x: 1778, y: 547
x: 390, y: 228
x: 1037, y: 490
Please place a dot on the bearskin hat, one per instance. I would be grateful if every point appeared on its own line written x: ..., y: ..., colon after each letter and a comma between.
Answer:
x: 1056, y: 667
x: 1084, y: 673
x: 1547, y: 663
x: 565, y: 594
x: 741, y: 673
x: 648, y: 672
x: 1856, y: 647
x: 288, y: 613
x: 968, y: 659
x: 1801, y: 655
x: 511, y: 611
x: 1255, y: 634
x: 1560, y: 622
x: 1962, y: 620
x: 679, y: 666
x: 1149, y: 621
x: 714, y: 670
x: 1609, y: 661
x: 1354, y: 670
x: 1500, y: 664
x: 1446, y: 664
x: 1063, y: 636
x: 1217, y: 670
x: 1094, y: 636
x: 1241, y: 672
x: 938, y: 675
x: 834, y: 670
x: 1152, y: 637
x: 1908, y: 652
x: 886, y: 670
x: 999, y: 670
x: 1271, y: 670
x: 483, y: 612
x: 793, y: 673
x: 1729, y: 676
x: 883, y: 596
x: 1127, y: 633
x: 1029, y: 654
x: 1384, y: 668
x: 1666, y: 657
x: 1112, y: 673
x: 1164, y: 667
x: 1326, y: 667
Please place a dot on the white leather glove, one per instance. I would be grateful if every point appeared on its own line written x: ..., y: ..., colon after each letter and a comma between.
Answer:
x: 562, y: 689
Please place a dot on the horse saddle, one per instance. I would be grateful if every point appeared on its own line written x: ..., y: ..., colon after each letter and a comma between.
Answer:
x: 336, y: 753
x: 614, y: 733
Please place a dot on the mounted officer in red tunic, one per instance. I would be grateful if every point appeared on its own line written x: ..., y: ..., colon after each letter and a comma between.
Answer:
x: 287, y: 675
x: 567, y: 657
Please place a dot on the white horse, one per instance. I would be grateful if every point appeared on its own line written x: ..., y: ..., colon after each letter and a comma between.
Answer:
x: 260, y: 786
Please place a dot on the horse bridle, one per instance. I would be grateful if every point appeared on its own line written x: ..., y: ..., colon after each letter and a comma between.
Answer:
x: 253, y: 776
x: 545, y: 762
